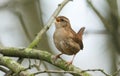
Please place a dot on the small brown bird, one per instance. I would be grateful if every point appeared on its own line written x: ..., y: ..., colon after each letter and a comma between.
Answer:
x: 66, y: 40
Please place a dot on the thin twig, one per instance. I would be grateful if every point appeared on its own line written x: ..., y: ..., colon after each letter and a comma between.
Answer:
x: 100, y: 70
x: 45, y: 66
x: 30, y: 66
x: 37, y: 64
x: 29, y: 62
x: 54, y: 71
x: 116, y: 73
x: 3, y: 69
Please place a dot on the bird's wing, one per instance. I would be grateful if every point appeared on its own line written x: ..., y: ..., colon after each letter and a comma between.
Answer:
x: 77, y: 38
x: 69, y: 46
x: 79, y: 41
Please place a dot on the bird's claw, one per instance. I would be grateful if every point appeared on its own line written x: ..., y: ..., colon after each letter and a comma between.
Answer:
x: 55, y: 58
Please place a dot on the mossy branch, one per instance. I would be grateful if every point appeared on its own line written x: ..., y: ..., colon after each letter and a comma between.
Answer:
x: 14, y: 66
x: 42, y: 55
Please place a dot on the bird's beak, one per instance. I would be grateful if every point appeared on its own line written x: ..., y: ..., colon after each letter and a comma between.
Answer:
x: 57, y: 20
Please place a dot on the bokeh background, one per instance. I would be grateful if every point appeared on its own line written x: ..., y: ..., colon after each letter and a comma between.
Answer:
x: 21, y: 20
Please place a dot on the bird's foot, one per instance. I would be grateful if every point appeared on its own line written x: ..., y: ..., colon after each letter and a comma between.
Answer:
x: 56, y: 57
x: 69, y: 63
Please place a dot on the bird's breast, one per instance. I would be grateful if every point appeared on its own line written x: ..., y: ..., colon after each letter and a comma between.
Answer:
x: 60, y: 34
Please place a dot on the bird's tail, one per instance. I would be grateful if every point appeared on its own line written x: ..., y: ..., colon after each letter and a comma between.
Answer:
x: 80, y: 32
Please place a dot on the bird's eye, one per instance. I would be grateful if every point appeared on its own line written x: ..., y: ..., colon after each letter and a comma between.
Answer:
x: 62, y: 19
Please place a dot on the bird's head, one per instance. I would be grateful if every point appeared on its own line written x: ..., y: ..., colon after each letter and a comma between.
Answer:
x: 62, y: 21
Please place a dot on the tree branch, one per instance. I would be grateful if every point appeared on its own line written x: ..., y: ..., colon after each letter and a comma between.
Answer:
x: 42, y: 55
x: 100, y: 70
x: 54, y: 71
x: 3, y: 69
x: 14, y: 66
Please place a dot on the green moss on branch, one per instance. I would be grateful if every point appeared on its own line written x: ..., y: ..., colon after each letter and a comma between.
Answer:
x: 42, y: 55
x: 14, y: 66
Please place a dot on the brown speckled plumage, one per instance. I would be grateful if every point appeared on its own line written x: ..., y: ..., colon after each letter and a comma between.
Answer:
x: 66, y: 40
